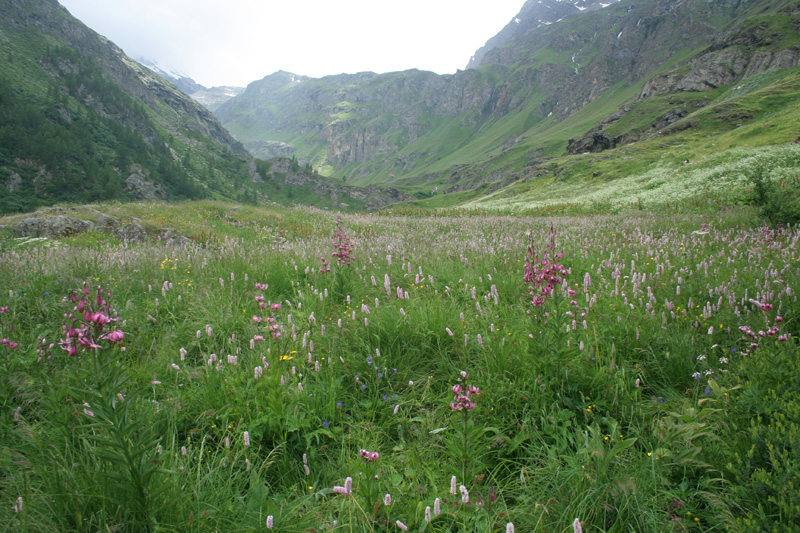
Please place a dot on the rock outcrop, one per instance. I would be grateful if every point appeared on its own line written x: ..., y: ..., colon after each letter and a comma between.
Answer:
x: 52, y: 226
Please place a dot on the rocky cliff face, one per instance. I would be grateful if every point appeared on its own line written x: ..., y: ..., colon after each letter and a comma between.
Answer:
x: 534, y: 14
x: 734, y: 55
x: 352, y: 118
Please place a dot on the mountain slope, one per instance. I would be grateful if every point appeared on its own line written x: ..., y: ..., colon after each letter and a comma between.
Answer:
x: 534, y: 14
x: 80, y: 121
x: 533, y: 92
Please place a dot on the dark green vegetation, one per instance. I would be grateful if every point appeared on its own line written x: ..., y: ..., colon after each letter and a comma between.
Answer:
x: 642, y: 396
x: 82, y: 122
x: 79, y: 122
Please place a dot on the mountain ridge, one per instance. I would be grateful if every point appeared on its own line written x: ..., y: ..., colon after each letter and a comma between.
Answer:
x: 421, y: 130
x: 80, y: 121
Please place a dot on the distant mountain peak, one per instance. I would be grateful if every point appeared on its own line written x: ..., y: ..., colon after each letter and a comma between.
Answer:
x: 534, y: 14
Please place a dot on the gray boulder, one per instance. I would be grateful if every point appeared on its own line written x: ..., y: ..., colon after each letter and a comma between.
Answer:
x: 106, y: 223
x: 131, y: 232
x: 175, y: 240
x: 55, y: 226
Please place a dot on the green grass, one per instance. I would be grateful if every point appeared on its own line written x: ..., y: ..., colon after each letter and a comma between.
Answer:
x: 640, y: 406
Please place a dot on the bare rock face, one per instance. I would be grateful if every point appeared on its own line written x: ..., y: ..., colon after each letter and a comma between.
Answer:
x: 55, y: 226
x: 131, y: 232
x: 141, y: 188
x: 174, y: 240
x: 106, y: 223
x: 594, y: 141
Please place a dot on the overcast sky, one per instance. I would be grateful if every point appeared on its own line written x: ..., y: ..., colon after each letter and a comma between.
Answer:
x: 234, y: 42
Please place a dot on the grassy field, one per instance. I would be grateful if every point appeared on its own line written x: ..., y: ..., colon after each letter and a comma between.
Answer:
x: 236, y: 384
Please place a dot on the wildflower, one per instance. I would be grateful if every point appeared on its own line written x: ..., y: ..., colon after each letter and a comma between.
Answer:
x: 453, y: 486
x: 428, y: 514
x: 464, y: 494
x: 247, y: 438
x: 545, y: 273
x: 437, y: 507
x: 18, y: 505
x: 387, y: 500
x: 576, y: 526
x: 510, y: 527
x: 401, y: 525
x: 369, y: 456
x: 270, y: 522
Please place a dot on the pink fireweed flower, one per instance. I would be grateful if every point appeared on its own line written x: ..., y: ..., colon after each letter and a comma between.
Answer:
x: 98, y: 318
x: 257, y: 319
x: 545, y: 273
x: 463, y: 401
x: 369, y: 456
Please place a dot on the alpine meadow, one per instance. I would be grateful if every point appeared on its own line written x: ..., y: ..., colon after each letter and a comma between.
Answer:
x: 553, y: 292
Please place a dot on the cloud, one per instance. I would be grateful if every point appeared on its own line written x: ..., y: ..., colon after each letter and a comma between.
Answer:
x: 237, y: 41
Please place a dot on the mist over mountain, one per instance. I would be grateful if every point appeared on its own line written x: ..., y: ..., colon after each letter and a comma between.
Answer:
x: 209, y: 97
